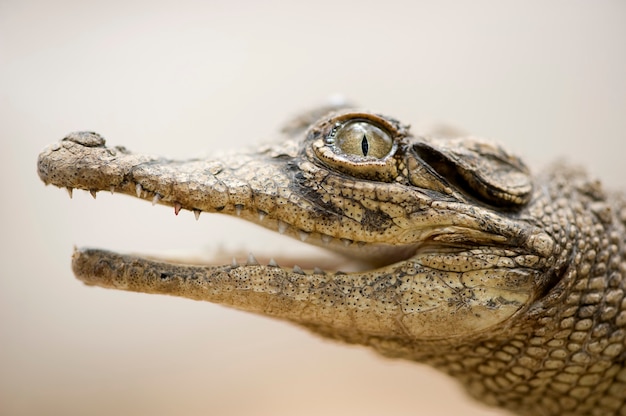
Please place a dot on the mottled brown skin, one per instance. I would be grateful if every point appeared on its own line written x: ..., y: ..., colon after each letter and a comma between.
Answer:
x: 511, y: 284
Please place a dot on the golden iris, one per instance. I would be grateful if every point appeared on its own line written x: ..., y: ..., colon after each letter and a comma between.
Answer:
x: 363, y: 139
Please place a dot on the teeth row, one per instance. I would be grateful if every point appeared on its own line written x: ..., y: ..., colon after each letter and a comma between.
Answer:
x: 282, y: 226
x: 252, y: 261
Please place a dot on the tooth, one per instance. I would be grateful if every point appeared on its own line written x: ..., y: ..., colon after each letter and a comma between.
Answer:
x: 196, y: 213
x: 346, y: 242
x: 156, y: 199
x: 234, y: 263
x: 326, y: 238
x: 297, y: 269
x: 262, y: 215
x: 138, y: 190
x: 272, y: 263
x: 70, y: 191
x: 93, y: 193
x: 303, y: 235
x: 282, y: 226
x: 317, y: 270
x: 177, y: 208
x: 112, y: 189
x: 238, y: 208
x: 252, y: 261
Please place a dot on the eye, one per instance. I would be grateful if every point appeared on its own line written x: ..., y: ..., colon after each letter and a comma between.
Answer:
x: 360, y: 144
x: 363, y: 139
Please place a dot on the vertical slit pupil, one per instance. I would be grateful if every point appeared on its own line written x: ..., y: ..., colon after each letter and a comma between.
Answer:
x: 364, y: 145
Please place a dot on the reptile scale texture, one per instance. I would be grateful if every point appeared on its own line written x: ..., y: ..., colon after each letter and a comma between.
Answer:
x: 513, y: 284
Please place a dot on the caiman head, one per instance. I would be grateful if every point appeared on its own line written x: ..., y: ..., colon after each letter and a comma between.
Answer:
x: 440, y: 225
x: 455, y: 242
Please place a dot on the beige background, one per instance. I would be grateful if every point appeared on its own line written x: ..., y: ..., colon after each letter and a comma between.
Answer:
x: 546, y: 78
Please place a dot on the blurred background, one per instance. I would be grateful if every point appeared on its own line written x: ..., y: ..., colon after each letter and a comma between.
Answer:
x: 188, y: 78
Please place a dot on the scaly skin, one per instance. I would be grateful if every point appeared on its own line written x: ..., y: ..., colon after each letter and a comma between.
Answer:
x: 511, y: 284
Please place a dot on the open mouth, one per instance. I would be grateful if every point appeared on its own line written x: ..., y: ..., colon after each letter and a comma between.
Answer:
x: 82, y: 161
x: 282, y: 252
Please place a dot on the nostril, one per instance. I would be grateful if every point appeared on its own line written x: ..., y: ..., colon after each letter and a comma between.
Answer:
x: 86, y: 138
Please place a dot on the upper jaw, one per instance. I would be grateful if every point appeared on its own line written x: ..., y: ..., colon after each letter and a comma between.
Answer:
x: 281, y: 189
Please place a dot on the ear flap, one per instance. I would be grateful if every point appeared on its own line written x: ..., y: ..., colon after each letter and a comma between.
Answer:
x: 480, y: 168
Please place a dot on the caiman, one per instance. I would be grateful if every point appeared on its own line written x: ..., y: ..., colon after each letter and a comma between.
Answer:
x: 511, y: 283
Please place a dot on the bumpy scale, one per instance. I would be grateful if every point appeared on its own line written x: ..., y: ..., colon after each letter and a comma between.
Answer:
x: 513, y: 285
